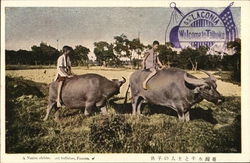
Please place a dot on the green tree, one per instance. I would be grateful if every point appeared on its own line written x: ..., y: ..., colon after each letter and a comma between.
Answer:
x: 11, y: 56
x: 19, y: 57
x: 121, y: 46
x: 44, y: 54
x: 128, y: 48
x: 136, y: 48
x: 211, y: 62
x: 192, y: 58
x: 235, y: 58
x: 167, y: 56
x: 80, y: 56
x: 104, y: 53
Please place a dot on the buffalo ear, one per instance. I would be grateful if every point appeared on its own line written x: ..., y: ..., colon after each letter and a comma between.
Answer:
x: 119, y: 83
x: 116, y: 81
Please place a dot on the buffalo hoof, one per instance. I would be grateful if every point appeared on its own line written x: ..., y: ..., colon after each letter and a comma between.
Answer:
x: 58, y: 104
x: 86, y: 114
x: 104, y: 111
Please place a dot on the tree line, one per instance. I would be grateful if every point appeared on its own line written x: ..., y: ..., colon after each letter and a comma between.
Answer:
x: 132, y: 50
x: 45, y: 55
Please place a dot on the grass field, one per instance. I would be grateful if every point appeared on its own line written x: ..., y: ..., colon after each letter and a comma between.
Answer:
x: 211, y: 129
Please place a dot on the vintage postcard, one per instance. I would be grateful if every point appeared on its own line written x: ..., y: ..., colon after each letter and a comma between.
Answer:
x: 125, y: 81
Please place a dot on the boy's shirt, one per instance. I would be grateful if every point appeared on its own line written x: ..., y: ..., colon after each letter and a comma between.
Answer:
x: 62, y: 62
x: 151, y: 60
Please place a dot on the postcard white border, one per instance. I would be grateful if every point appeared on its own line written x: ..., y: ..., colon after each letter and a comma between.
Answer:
x: 245, y: 86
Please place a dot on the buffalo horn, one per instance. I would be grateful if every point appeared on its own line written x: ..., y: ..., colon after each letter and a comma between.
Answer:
x: 193, y: 81
x: 124, y: 80
x: 210, y: 75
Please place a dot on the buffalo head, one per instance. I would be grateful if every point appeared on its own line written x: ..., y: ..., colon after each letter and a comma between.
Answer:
x: 205, y: 88
x: 119, y: 83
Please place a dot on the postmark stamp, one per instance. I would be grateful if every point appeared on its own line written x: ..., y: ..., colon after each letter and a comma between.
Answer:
x: 203, y: 27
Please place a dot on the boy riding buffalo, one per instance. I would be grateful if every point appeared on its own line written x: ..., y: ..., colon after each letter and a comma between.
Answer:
x: 151, y: 62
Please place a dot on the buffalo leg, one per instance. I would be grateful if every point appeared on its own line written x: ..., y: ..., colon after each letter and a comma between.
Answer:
x: 49, y: 108
x: 187, y: 116
x: 139, y: 106
x: 134, y: 105
x: 88, y: 109
x: 181, y: 116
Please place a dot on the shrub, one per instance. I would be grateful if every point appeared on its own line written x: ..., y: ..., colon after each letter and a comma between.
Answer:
x: 108, y: 134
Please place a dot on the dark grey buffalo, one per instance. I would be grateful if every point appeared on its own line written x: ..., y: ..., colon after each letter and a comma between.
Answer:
x: 173, y: 88
x: 84, y: 91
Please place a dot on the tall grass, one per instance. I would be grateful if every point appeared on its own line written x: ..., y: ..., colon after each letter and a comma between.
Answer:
x: 212, y: 128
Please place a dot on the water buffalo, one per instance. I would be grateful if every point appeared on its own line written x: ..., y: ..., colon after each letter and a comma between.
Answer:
x: 172, y: 88
x: 84, y: 91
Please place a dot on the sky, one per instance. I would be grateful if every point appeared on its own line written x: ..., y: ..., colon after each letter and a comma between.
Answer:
x: 28, y: 26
